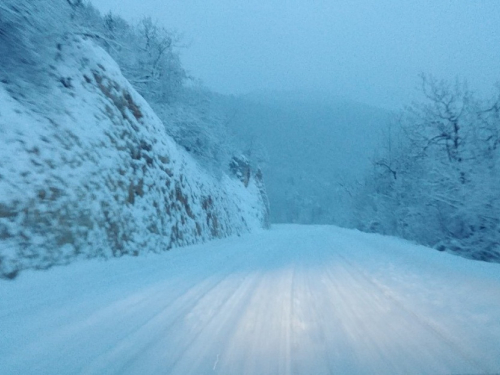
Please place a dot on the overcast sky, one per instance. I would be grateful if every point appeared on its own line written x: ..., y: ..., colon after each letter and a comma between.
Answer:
x: 366, y: 50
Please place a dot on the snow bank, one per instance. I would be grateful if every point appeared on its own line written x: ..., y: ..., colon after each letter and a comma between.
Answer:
x: 88, y: 171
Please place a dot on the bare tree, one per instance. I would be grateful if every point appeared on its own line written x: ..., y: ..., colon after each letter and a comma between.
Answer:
x: 437, y: 183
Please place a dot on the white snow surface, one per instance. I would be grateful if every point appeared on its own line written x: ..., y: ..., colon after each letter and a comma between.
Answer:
x: 292, y: 300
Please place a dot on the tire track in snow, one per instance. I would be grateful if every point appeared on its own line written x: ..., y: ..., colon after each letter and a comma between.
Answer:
x: 358, y: 273
x: 295, y: 300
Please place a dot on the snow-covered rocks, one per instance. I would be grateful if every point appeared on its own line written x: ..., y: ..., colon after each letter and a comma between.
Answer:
x: 91, y: 172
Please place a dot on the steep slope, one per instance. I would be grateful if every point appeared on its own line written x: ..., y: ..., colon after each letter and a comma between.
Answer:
x: 87, y: 170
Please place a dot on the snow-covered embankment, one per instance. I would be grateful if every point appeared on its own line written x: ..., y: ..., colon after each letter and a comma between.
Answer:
x: 88, y: 171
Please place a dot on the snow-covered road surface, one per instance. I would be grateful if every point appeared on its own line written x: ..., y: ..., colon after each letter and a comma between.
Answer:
x: 294, y: 300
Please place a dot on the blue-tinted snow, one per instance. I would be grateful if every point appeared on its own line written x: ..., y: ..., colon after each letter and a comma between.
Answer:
x: 293, y: 300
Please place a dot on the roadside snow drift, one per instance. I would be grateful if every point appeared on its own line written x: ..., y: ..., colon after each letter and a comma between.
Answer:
x: 87, y: 171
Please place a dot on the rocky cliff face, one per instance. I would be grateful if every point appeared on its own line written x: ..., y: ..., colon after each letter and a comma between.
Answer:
x: 92, y: 173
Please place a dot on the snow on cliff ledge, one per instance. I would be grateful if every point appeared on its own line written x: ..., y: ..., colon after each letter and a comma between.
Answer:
x: 92, y: 173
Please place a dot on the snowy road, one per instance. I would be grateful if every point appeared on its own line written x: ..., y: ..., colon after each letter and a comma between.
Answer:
x: 293, y: 300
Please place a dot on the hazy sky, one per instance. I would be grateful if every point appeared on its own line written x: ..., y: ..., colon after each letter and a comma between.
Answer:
x: 367, y: 50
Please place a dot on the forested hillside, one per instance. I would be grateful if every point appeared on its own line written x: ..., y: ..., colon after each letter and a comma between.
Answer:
x: 314, y: 149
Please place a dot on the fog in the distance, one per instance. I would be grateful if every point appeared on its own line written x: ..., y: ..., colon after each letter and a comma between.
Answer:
x: 369, y: 51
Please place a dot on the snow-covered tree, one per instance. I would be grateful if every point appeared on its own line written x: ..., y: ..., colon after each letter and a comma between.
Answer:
x: 436, y: 179
x: 30, y: 35
x: 148, y: 55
